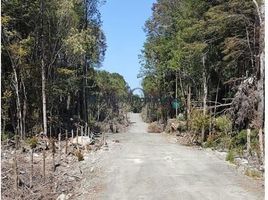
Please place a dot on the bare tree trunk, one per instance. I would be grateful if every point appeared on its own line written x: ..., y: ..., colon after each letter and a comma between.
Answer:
x: 77, y: 136
x: 188, y: 107
x: 216, y: 99
x: 43, y: 73
x: 59, y: 146
x: 19, y: 115
x: 205, y: 91
x: 66, y: 142
x: 176, y: 93
x: 53, y: 155
x: 260, y: 86
x: 68, y: 101
x: 24, y: 110
x: 98, y: 112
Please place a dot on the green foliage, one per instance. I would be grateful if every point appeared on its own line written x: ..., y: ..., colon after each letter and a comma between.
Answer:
x: 240, y: 139
x: 136, y: 103
x: 181, y: 34
x: 73, y: 46
x: 199, y: 120
x: 5, y: 135
x: 223, y: 124
x: 230, y: 156
x: 212, y: 141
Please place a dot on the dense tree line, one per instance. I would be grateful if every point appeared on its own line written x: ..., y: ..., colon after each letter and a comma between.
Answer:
x: 209, y: 54
x: 51, y: 52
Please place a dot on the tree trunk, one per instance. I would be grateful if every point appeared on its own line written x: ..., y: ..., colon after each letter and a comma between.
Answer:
x: 24, y: 110
x: 43, y: 73
x: 68, y: 101
x: 205, y: 91
x: 260, y: 69
x: 19, y: 115
x: 188, y: 107
x: 216, y: 99
x: 176, y: 93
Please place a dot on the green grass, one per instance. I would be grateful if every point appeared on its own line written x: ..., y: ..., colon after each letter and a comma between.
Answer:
x: 230, y: 156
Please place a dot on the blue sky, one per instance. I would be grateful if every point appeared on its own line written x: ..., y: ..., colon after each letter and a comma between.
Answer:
x: 123, y: 23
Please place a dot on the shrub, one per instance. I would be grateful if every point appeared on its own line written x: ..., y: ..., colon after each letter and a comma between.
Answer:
x: 253, y: 173
x: 240, y: 139
x: 230, y: 156
x: 5, y: 135
x: 198, y: 120
x: 212, y: 141
x: 155, y: 128
x: 223, y: 124
x: 32, y: 142
x: 79, y: 155
x: 181, y: 117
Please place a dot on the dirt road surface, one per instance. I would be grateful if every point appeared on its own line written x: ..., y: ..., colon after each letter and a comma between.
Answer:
x: 143, y: 166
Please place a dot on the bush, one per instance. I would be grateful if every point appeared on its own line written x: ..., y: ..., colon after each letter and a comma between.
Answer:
x: 253, y: 173
x: 181, y: 117
x: 212, y: 141
x: 32, y: 142
x: 240, y: 139
x: 155, y: 128
x: 230, y: 156
x: 5, y: 135
x: 79, y: 155
x: 223, y: 124
x: 198, y: 120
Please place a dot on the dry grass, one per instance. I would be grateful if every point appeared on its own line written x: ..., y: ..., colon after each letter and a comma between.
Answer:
x: 155, y: 127
x: 61, y: 181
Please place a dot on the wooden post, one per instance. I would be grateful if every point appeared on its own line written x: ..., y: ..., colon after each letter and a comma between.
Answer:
x: 82, y: 134
x: 72, y: 135
x: 31, y: 176
x: 50, y: 131
x: 44, y: 165
x: 59, y: 146
x: 15, y: 167
x: 53, y: 155
x: 261, y: 145
x: 77, y: 130
x: 86, y: 130
x: 104, y: 139
x: 66, y: 142
x: 248, y: 141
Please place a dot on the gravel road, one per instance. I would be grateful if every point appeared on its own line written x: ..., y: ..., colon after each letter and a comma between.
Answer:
x: 145, y: 166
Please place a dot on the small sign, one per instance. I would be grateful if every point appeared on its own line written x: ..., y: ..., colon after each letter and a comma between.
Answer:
x: 175, y: 104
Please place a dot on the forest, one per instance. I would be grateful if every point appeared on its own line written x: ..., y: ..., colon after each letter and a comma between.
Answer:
x: 52, y: 52
x: 69, y: 128
x: 208, y: 56
x: 53, y: 88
